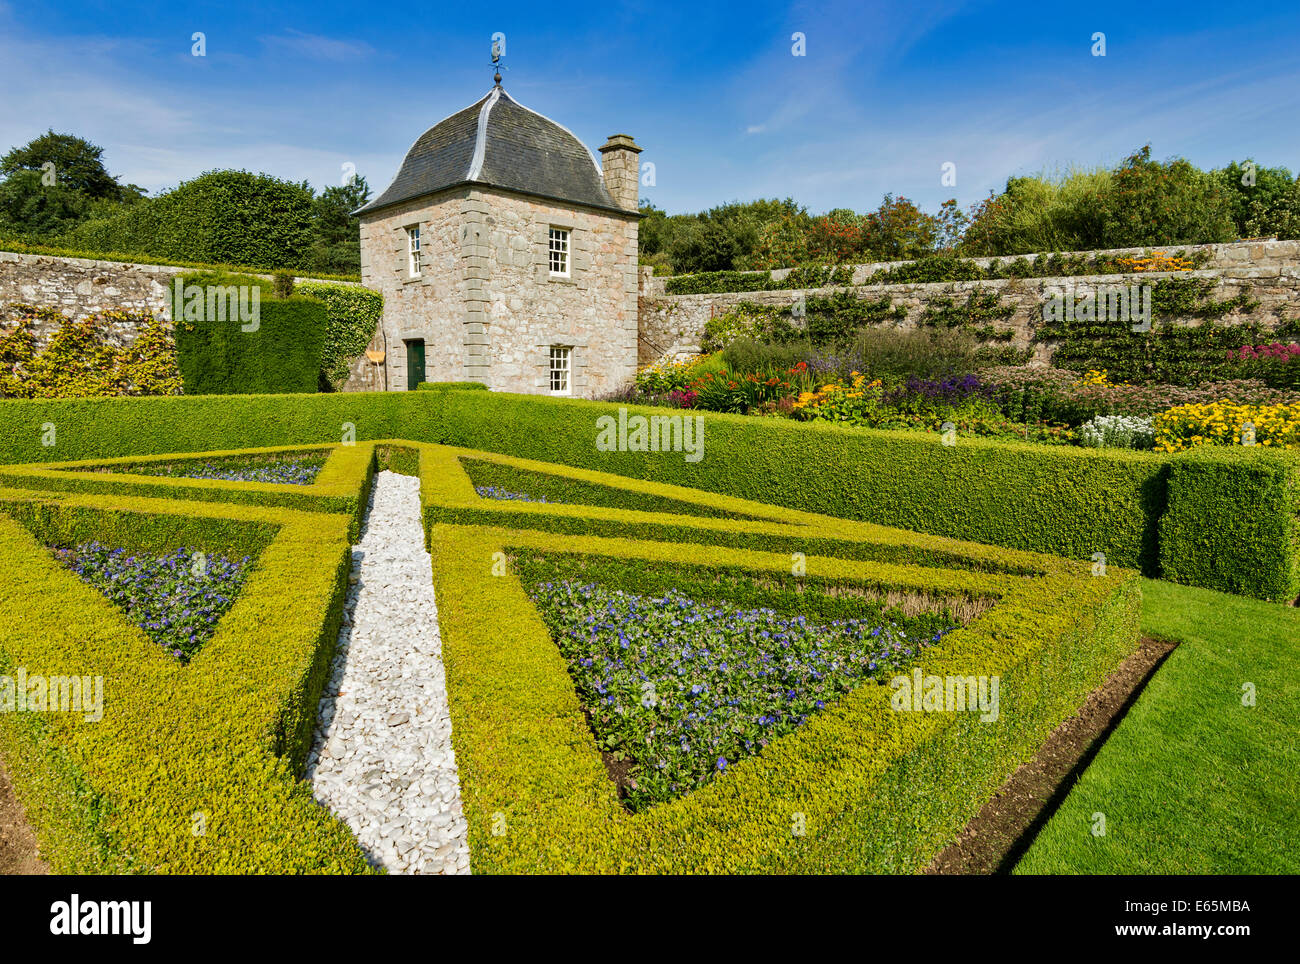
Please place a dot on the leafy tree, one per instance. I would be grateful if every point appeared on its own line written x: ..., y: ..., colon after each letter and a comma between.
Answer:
x: 1258, y: 197
x: 78, y: 166
x: 899, y: 230
x: 55, y: 182
x: 1173, y: 202
x: 337, y: 245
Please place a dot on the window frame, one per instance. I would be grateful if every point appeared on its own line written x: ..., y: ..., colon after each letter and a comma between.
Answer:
x: 564, y: 251
x: 414, y: 251
x: 562, y: 353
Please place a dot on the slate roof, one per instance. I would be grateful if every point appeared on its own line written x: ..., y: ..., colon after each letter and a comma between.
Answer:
x: 499, y: 143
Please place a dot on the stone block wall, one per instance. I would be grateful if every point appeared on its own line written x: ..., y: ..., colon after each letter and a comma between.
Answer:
x: 79, y: 287
x: 1268, y: 272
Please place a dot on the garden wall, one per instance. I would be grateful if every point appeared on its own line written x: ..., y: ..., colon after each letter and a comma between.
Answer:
x: 1265, y: 271
x: 81, y: 286
x: 1067, y: 501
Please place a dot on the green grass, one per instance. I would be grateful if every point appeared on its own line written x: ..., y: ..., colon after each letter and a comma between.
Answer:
x: 17, y: 246
x: 1192, y: 781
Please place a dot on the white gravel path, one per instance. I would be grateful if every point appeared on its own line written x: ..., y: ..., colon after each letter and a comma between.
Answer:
x: 382, y: 758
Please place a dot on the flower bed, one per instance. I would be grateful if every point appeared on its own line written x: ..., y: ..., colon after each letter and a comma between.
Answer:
x: 504, y: 495
x: 175, y: 598
x: 682, y: 690
x: 1222, y: 423
x: 300, y: 469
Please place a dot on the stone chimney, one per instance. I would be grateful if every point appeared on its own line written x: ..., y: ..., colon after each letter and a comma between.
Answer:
x: 621, y: 169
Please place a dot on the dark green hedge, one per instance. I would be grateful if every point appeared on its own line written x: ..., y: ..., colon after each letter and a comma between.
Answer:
x: 444, y: 386
x: 91, y: 428
x: 222, y: 217
x: 1066, y: 501
x: 282, y: 354
x: 1233, y: 522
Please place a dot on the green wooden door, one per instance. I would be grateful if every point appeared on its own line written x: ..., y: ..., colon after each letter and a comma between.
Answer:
x: 414, y: 363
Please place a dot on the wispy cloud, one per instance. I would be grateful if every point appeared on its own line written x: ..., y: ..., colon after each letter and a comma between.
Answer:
x: 317, y: 47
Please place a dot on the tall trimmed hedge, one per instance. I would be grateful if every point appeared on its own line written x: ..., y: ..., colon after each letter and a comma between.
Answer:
x: 279, y: 352
x: 1233, y: 522
x: 221, y: 217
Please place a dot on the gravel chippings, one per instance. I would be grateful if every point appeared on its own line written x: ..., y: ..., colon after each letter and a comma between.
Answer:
x: 382, y: 758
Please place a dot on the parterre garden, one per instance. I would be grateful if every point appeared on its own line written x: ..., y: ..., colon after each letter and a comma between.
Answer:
x: 643, y: 676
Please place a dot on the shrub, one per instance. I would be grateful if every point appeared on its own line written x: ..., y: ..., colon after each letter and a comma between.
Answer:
x: 1117, y: 431
x: 904, y: 353
x: 352, y: 316
x: 666, y: 375
x: 1276, y: 363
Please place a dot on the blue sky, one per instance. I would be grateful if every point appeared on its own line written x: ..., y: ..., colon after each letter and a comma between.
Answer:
x: 885, y: 95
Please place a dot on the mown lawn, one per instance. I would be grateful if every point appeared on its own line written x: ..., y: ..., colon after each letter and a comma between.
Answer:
x: 1192, y: 781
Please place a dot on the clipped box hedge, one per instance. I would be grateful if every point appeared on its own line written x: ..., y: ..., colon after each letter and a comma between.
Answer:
x: 451, y: 386
x: 1055, y: 499
x: 874, y: 790
x: 1060, y: 500
x: 342, y: 485
x: 1233, y: 521
x: 97, y: 428
x: 193, y: 768
x: 282, y: 354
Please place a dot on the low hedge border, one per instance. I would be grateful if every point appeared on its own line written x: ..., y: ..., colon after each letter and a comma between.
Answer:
x: 879, y: 791
x: 1063, y: 501
x: 71, y: 429
x: 192, y: 768
x: 342, y: 485
x: 448, y: 495
x: 451, y: 386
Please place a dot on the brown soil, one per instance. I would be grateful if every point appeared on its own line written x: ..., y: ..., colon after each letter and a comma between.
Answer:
x: 998, y: 836
x: 18, y: 850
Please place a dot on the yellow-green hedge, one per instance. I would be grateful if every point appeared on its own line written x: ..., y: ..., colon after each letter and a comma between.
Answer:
x: 879, y: 791
x: 342, y: 485
x: 213, y: 746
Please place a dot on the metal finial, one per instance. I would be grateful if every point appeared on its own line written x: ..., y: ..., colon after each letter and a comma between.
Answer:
x: 496, y: 62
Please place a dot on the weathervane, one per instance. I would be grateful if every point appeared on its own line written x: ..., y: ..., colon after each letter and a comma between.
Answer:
x: 498, y: 50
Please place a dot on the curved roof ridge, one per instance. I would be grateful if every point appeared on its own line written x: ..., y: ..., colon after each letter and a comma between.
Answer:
x: 480, y: 136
